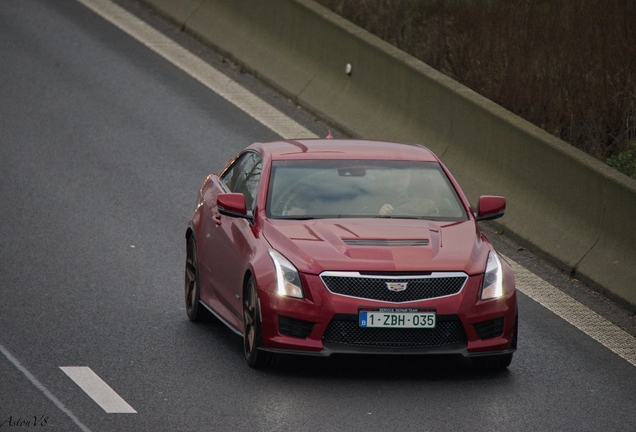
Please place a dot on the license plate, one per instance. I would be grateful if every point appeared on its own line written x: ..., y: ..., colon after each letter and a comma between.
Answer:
x: 395, y: 318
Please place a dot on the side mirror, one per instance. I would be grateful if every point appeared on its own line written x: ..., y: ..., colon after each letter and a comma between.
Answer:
x: 490, y: 207
x: 233, y: 205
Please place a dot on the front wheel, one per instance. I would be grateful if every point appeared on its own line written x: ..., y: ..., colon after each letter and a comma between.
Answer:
x: 252, y: 338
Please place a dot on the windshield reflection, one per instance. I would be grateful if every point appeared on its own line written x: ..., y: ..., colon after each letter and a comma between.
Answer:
x: 308, y: 189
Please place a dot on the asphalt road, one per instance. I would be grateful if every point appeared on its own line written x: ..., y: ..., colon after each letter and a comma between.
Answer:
x: 103, y: 145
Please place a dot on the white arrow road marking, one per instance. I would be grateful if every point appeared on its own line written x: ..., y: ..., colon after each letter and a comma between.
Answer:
x: 97, y: 389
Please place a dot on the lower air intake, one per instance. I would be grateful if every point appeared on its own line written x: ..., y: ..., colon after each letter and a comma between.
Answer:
x: 294, y: 327
x: 489, y: 329
x: 447, y: 331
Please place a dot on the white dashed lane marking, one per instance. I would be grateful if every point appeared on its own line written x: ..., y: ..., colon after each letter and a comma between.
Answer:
x: 97, y: 389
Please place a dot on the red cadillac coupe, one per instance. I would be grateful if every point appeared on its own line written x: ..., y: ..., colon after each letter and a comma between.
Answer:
x: 331, y: 246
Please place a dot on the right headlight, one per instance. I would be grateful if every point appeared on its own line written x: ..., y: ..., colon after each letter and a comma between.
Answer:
x: 492, y: 286
x: 287, y: 277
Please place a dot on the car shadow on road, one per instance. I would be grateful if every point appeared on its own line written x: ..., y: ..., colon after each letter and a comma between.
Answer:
x: 359, y: 367
x: 384, y: 367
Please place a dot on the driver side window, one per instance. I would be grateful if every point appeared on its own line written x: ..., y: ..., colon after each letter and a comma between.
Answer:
x: 244, y: 177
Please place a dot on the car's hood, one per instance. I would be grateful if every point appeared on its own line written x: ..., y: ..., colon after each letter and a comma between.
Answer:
x: 392, y: 245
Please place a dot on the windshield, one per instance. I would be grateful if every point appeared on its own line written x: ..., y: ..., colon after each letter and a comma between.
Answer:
x: 307, y: 189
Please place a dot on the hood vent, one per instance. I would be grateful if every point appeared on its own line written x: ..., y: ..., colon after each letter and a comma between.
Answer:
x: 390, y: 243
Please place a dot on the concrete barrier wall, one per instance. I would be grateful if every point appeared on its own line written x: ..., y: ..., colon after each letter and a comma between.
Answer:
x: 562, y: 203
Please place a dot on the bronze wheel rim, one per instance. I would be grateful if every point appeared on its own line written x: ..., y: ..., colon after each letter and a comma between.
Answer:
x: 249, y: 316
x: 191, y: 277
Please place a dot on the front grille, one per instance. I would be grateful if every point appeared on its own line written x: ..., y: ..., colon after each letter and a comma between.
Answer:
x: 294, y: 327
x: 376, y: 287
x: 449, y: 330
x: 489, y: 329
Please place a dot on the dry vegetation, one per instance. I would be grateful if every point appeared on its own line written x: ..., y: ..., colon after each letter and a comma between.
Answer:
x: 568, y: 66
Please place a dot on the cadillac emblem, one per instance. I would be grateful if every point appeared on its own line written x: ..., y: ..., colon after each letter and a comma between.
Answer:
x: 396, y: 286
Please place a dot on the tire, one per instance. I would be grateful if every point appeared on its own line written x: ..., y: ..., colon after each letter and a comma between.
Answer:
x: 252, y: 338
x: 194, y: 310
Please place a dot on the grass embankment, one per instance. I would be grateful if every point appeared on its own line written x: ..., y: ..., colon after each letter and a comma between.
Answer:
x: 567, y: 66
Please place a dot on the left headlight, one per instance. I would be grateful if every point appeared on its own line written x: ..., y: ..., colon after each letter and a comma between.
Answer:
x: 287, y: 277
x: 492, y: 286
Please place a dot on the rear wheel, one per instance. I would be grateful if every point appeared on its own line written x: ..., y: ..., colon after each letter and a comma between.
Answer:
x: 252, y: 338
x: 194, y: 310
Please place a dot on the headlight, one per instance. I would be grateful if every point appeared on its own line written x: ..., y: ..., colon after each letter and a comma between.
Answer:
x: 492, y: 287
x: 287, y: 278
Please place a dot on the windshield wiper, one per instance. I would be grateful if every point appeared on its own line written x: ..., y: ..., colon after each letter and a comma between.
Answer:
x: 398, y: 217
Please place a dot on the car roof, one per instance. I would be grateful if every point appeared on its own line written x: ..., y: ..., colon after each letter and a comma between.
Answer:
x: 343, y: 149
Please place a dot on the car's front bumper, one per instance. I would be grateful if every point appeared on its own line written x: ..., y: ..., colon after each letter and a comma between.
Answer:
x: 466, y: 325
